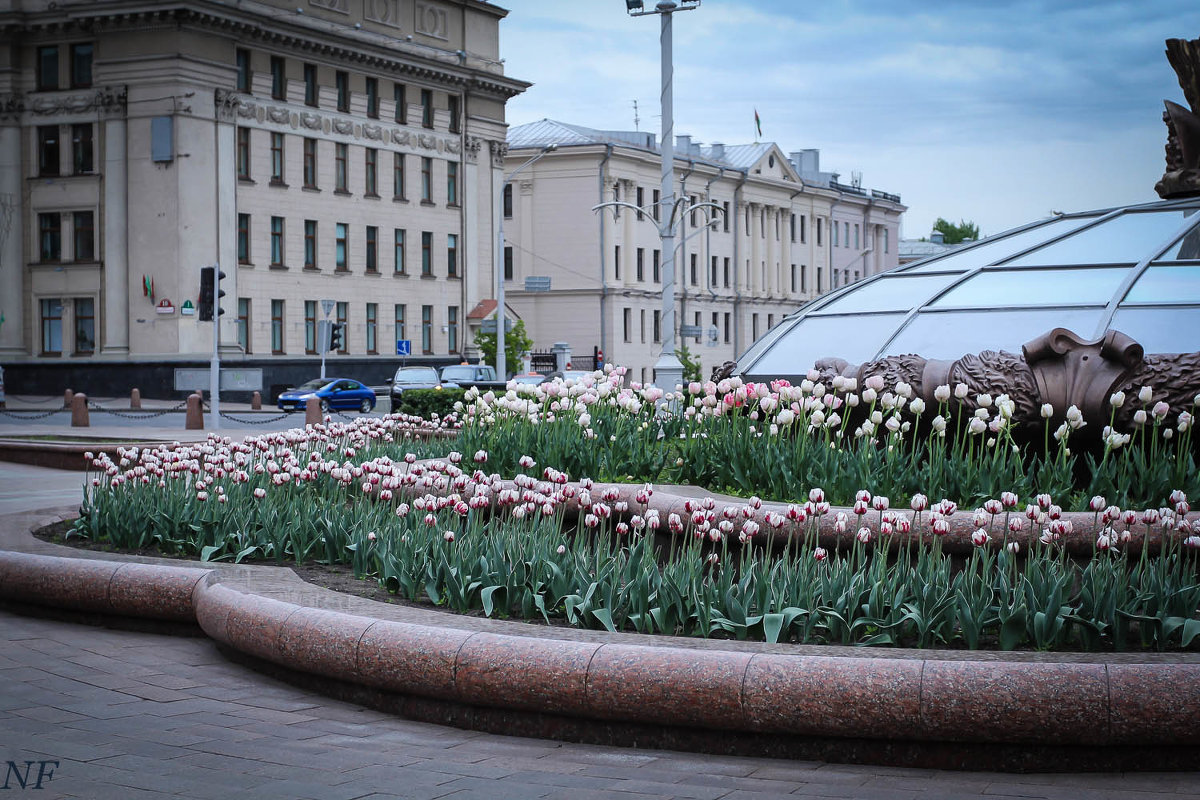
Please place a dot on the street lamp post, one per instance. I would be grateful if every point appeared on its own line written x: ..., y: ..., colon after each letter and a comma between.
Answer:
x: 668, y: 371
x: 501, y: 356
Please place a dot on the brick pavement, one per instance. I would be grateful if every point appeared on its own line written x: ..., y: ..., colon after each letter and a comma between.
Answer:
x: 140, y: 715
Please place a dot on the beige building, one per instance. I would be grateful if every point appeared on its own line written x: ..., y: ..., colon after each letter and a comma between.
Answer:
x: 781, y: 233
x: 343, y: 150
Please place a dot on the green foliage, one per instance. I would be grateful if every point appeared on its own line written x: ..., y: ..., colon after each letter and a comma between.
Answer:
x: 516, y: 344
x: 426, y: 402
x: 691, y: 366
x: 956, y: 234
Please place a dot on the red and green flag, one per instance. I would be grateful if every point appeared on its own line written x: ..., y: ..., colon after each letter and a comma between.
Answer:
x: 757, y: 123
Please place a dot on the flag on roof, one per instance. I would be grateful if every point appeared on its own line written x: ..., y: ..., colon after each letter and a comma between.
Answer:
x: 757, y: 123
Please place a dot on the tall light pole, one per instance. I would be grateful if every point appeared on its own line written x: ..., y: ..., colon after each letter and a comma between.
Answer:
x: 668, y: 371
x: 501, y: 356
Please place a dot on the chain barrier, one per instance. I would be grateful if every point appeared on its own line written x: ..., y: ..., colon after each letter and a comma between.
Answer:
x: 29, y: 415
x: 266, y: 421
x: 137, y: 415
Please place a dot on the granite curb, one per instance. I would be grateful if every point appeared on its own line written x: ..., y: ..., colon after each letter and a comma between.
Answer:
x: 270, y: 614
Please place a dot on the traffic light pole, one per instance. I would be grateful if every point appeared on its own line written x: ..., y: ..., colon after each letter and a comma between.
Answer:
x: 214, y: 376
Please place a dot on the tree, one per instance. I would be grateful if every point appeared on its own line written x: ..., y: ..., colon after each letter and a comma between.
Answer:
x: 516, y: 344
x: 691, y: 366
x: 956, y: 234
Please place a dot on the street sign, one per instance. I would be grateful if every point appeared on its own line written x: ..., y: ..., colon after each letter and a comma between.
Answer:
x: 489, y: 325
x: 404, y: 347
x: 689, y: 331
x: 327, y: 307
x: 537, y: 283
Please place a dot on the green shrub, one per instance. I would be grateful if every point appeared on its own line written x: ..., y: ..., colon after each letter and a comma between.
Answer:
x: 423, y: 402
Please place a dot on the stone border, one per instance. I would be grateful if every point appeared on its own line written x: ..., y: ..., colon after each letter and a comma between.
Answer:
x: 727, y: 688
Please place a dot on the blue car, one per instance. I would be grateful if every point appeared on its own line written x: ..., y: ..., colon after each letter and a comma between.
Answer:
x: 335, y: 393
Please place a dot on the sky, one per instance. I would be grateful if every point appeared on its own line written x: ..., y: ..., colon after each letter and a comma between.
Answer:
x: 995, y: 112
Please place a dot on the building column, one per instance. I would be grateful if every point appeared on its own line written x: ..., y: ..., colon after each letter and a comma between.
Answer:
x: 114, y: 306
x: 12, y: 237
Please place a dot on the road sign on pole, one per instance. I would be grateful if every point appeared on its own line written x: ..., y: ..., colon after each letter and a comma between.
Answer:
x: 403, y: 347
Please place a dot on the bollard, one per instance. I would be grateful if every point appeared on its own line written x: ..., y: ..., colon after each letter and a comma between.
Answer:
x: 312, y: 412
x: 67, y: 395
x: 79, y: 411
x: 135, y: 398
x: 194, y: 419
x: 256, y: 402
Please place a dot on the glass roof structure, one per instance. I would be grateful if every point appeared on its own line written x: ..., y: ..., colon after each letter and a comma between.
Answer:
x: 1135, y: 269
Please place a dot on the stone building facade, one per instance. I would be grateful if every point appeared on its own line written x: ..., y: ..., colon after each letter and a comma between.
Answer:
x: 343, y: 150
x: 777, y: 233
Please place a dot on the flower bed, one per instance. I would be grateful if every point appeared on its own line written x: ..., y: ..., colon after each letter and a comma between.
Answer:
x: 635, y: 558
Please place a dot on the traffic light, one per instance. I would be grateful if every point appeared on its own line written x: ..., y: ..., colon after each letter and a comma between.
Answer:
x: 336, y: 332
x: 210, y: 293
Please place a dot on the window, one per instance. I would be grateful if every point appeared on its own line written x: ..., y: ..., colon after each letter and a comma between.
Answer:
x: 342, y: 81
x: 770, y: 321
x: 52, y: 327
x: 692, y: 203
x: 452, y: 329
x: 401, y: 327
x: 243, y: 239
x: 277, y: 327
x: 427, y: 329
x: 508, y: 262
x: 426, y: 253
x: 656, y: 196
x: 310, y: 244
x: 885, y: 240
x: 84, y: 236
x: 310, y: 327
x: 727, y: 327
x: 243, y: 71
x: 616, y: 198
x: 725, y: 271
x: 846, y: 237
x: 641, y: 201
x: 312, y: 96
x: 803, y: 279
x: 657, y: 325
x: 712, y: 272
x: 820, y: 226
x: 642, y: 324
x: 617, y: 262
x: 398, y: 192
x: 372, y: 328
x: 452, y: 255
x: 426, y: 180
x: 641, y: 264
x: 834, y: 232
x: 342, y: 313
x: 626, y: 323
x: 243, y: 323
x: 427, y: 108
x: 455, y: 113
x: 373, y: 98
x: 725, y: 215
x: 508, y: 201
x: 754, y: 327
x: 85, y: 326
x: 398, y: 249
x: 276, y: 241
x: 341, y: 154
x: 50, y: 237
x: 692, y: 271
x: 398, y: 95
x: 47, y: 69
x: 81, y: 64
x: 451, y: 183
x: 371, y: 167
x: 803, y: 229
x: 341, y: 247
x: 818, y: 279
x: 372, y: 248
x: 793, y: 278
x: 278, y: 78
x: 277, y: 158
x: 47, y: 150
x: 310, y: 163
x: 856, y: 246
x: 82, y: 158
x: 697, y: 318
x: 655, y: 255
x: 243, y: 154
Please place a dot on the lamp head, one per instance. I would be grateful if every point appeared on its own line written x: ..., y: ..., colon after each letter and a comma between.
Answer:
x: 633, y: 5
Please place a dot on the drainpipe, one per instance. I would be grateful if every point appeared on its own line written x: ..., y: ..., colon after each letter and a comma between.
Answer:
x: 603, y: 180
x: 682, y: 270
x: 737, y: 289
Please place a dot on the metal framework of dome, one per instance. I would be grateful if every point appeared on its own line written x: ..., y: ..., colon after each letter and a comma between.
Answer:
x: 1133, y: 269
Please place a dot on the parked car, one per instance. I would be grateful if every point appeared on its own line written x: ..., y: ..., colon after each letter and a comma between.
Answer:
x: 413, y: 378
x: 533, y: 378
x: 334, y: 393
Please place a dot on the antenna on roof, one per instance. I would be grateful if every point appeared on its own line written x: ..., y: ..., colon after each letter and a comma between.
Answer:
x: 636, y: 118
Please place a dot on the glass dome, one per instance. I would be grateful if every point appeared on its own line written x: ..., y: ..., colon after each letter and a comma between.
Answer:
x: 1135, y: 269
